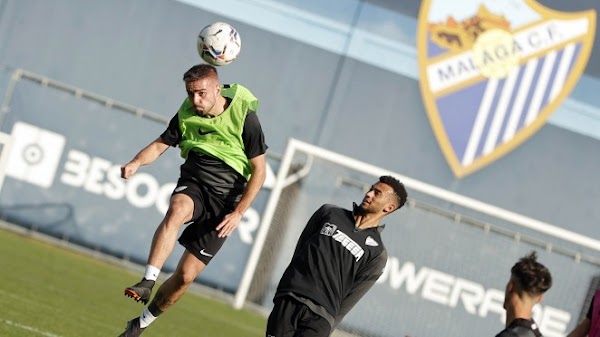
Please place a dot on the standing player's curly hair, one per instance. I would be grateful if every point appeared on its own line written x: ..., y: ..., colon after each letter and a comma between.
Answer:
x: 398, y: 187
x: 531, y: 276
x: 199, y: 72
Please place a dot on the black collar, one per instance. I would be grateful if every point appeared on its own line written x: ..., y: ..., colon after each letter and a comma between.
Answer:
x: 525, y: 323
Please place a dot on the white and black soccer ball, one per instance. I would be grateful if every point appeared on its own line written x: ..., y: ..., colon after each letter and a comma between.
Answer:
x: 219, y: 43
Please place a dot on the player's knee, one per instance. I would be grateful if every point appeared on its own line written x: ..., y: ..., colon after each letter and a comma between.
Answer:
x: 184, y: 278
x: 180, y: 211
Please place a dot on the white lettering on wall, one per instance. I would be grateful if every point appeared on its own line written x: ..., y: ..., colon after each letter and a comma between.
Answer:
x: 100, y: 176
x: 452, y: 291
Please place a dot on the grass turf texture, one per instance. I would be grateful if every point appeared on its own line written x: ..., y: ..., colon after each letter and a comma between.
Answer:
x: 49, y: 291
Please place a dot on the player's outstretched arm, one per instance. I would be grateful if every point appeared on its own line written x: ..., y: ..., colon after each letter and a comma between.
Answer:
x: 259, y: 173
x: 146, y: 156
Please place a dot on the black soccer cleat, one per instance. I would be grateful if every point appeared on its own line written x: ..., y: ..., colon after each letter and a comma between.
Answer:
x: 133, y: 328
x: 141, y: 291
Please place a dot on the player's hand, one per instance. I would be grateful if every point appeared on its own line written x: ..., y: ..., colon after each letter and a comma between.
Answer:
x: 229, y: 223
x: 129, y: 169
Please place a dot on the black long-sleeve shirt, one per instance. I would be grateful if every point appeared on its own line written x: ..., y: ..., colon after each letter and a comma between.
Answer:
x: 521, y: 328
x: 334, y: 263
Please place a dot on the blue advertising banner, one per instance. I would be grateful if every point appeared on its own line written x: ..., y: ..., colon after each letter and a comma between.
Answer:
x: 63, y: 178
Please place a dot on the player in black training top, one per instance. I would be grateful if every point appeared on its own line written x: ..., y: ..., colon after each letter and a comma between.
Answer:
x: 338, y: 257
x: 529, y: 280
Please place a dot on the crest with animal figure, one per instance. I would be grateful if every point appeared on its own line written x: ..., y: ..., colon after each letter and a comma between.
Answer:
x: 492, y: 72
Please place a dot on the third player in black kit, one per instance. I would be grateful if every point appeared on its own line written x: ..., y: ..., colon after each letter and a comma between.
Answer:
x: 528, y: 282
x: 339, y: 256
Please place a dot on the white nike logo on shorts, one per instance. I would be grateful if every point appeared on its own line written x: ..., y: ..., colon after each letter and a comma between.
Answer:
x: 202, y: 252
x: 180, y: 188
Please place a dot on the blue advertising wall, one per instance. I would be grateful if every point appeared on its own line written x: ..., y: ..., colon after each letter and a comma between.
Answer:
x: 136, y: 52
x: 64, y: 179
x: 343, y: 75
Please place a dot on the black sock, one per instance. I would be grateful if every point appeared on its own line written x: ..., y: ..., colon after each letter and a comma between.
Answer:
x: 154, y: 310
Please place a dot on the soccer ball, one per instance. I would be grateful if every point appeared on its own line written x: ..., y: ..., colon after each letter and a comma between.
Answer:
x: 219, y: 43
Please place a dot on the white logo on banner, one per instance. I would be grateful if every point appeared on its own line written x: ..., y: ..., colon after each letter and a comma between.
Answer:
x: 35, y: 154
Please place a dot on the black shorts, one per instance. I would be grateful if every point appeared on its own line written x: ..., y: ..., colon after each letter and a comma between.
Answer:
x: 292, y: 318
x: 200, y: 237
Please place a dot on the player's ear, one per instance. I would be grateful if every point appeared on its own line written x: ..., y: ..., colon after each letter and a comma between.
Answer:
x: 389, y: 208
x: 510, y: 286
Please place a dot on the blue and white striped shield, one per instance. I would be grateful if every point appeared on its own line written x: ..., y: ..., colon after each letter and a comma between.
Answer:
x: 492, y: 72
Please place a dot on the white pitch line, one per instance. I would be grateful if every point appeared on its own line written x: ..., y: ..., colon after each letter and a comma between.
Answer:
x: 28, y: 328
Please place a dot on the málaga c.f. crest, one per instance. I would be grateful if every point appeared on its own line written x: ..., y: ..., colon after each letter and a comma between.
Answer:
x: 492, y: 72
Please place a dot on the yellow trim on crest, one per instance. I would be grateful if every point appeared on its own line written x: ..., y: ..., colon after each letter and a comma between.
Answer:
x: 429, y: 99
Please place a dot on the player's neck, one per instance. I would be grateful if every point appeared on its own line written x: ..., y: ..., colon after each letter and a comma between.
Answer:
x: 368, y: 220
x: 521, y: 310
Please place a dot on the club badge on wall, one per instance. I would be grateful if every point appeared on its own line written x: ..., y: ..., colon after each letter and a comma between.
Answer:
x: 492, y: 72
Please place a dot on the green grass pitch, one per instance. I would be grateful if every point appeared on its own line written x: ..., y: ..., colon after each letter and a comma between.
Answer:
x: 49, y: 291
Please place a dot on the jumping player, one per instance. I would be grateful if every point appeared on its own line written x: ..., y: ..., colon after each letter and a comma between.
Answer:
x: 222, y: 142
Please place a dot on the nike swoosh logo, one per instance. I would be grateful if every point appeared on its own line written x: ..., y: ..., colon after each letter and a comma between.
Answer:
x: 180, y: 188
x: 202, y: 252
x: 202, y: 133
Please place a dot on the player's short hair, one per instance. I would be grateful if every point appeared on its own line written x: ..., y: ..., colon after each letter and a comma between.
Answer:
x: 398, y: 187
x: 200, y: 71
x: 531, y: 276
